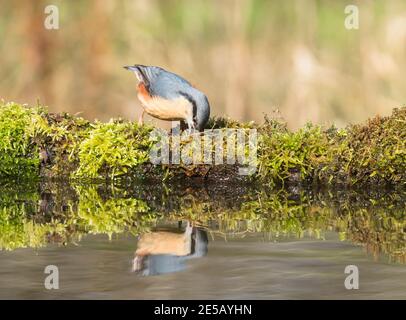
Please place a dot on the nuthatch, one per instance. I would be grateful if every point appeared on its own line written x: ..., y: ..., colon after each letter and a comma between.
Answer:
x: 161, y: 252
x: 167, y: 96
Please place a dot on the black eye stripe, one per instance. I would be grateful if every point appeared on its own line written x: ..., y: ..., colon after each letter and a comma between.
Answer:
x: 191, y: 100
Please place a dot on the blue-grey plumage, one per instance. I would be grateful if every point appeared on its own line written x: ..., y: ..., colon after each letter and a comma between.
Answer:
x: 168, y: 96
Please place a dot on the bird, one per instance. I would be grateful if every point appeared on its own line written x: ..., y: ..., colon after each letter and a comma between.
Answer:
x: 168, y: 96
x: 166, y: 251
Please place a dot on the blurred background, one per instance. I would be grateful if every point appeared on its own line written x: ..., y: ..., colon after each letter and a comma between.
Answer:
x: 249, y: 56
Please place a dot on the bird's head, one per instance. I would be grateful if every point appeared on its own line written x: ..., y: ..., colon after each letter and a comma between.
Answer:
x: 145, y: 74
x: 202, y: 112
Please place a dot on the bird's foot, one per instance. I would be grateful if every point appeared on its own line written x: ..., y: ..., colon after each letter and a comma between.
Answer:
x: 141, y: 119
x: 191, y: 129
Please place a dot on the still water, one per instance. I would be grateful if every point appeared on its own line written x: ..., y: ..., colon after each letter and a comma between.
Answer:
x: 137, y: 242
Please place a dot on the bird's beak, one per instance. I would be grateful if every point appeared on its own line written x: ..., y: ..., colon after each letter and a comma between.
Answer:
x: 131, y: 68
x: 138, y: 72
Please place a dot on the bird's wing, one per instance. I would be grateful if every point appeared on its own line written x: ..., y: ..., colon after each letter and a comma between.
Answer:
x: 169, y: 85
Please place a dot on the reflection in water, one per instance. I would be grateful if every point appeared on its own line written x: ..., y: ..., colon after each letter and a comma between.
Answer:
x: 291, y: 243
x: 160, y: 252
x: 34, y: 215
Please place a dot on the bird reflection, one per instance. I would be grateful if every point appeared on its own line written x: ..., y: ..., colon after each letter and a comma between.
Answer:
x: 161, y: 252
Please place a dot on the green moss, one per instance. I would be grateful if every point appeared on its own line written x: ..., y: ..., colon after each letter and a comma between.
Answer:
x: 18, y: 155
x: 283, y: 153
x: 35, y: 143
x: 113, y: 149
x: 221, y: 123
x: 58, y: 135
x: 373, y: 153
x: 377, y: 149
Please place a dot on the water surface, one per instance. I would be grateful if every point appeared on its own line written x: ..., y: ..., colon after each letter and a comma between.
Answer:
x: 194, y: 242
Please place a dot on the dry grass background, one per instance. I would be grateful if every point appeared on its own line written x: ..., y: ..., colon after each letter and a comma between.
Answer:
x: 249, y: 56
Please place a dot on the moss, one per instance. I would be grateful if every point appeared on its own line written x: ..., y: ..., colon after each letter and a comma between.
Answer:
x: 221, y: 122
x: 376, y: 151
x: 58, y: 136
x: 371, y: 153
x: 285, y: 155
x: 113, y: 149
x: 37, y: 143
x: 18, y: 155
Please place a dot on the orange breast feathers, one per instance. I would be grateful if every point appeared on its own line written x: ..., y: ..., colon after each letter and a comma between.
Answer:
x: 164, y: 109
x: 143, y: 93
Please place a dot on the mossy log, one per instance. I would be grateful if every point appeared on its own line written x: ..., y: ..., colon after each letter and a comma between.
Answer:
x: 35, y: 143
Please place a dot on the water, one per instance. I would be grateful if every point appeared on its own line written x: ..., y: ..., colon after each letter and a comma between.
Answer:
x: 194, y: 242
